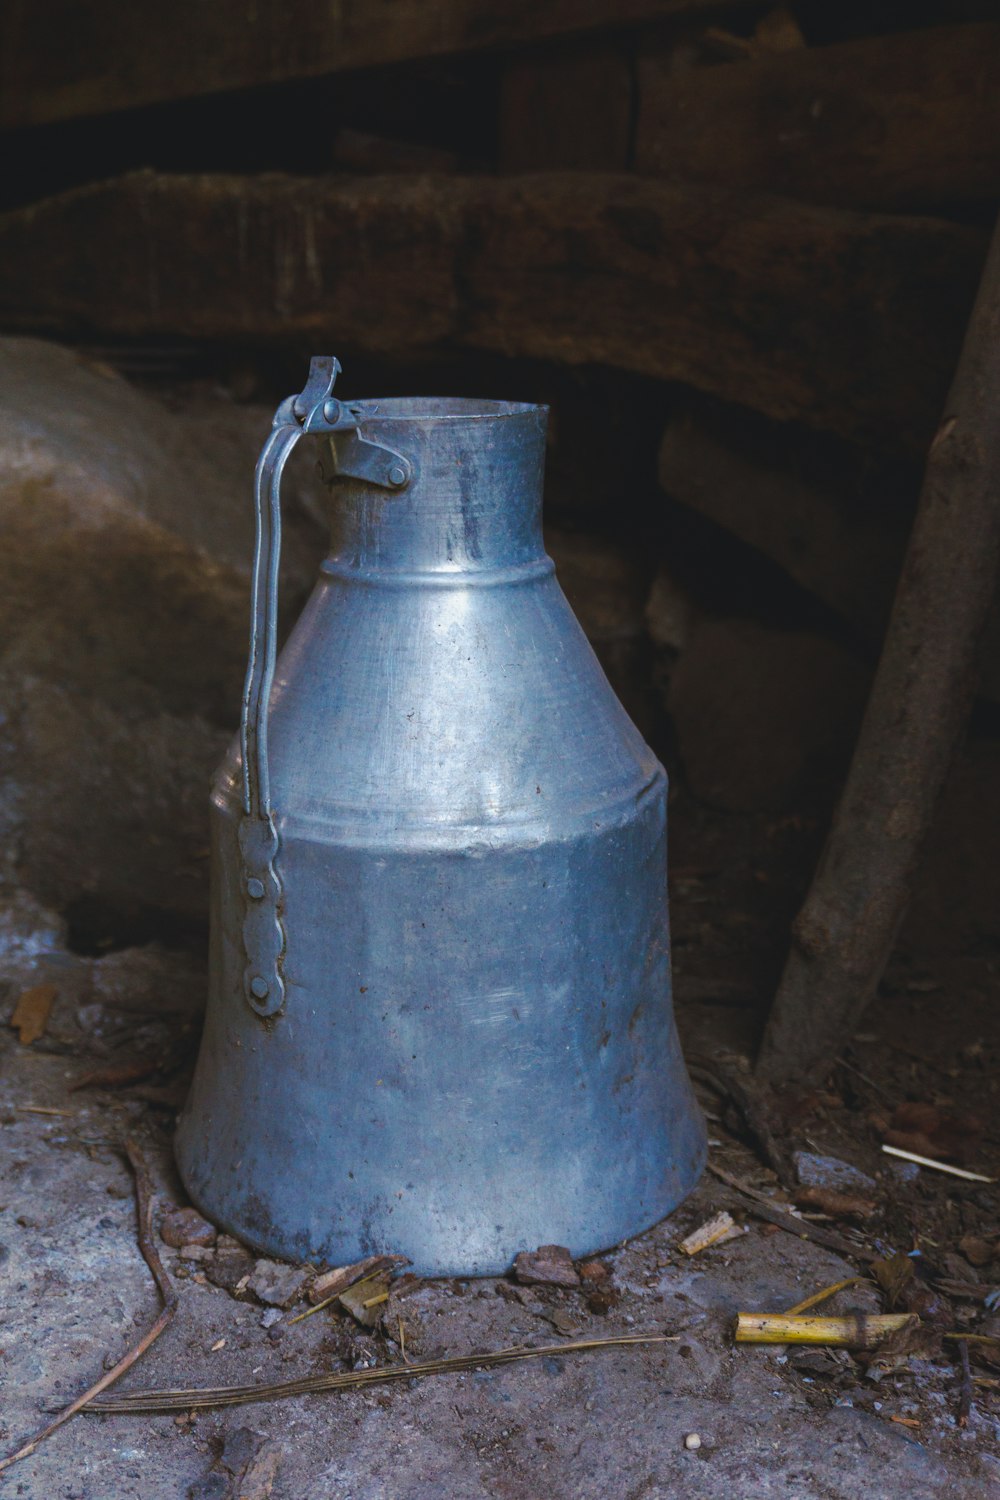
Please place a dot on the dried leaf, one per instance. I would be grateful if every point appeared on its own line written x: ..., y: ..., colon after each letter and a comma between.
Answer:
x: 593, y: 1273
x: 933, y: 1132
x: 31, y: 1013
x: 979, y: 1251
x: 837, y: 1205
x: 364, y: 1299
x: 894, y: 1273
x: 915, y: 1340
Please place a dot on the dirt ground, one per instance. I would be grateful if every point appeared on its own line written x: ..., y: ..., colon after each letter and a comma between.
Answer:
x: 609, y: 1423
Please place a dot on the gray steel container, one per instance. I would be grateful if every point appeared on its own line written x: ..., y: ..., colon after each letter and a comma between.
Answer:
x: 439, y: 1018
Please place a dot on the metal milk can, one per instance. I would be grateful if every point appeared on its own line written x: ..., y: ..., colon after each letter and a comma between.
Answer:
x: 439, y: 1019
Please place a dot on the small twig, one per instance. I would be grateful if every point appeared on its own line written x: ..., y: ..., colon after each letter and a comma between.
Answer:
x: 119, y: 1075
x: 765, y: 1209
x: 729, y: 1074
x: 965, y: 1391
x: 336, y: 1296
x: 147, y: 1245
x: 828, y: 1291
x: 402, y: 1340
x: 242, y: 1395
x: 938, y: 1166
x: 876, y: 1087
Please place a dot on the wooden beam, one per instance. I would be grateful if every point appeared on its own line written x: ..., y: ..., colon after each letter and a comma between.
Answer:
x: 842, y: 321
x: 75, y: 59
x: 904, y: 122
x: 568, y: 109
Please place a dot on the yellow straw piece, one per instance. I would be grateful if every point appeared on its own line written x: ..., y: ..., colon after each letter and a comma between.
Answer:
x: 856, y: 1331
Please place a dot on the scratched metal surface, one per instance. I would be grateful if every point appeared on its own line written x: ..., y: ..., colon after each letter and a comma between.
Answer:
x: 476, y: 1051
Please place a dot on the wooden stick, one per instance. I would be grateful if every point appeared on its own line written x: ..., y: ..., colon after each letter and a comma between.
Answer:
x: 241, y: 1395
x: 855, y: 1331
x: 730, y: 1075
x: 917, y: 710
x: 938, y: 1166
x: 765, y: 1209
x: 147, y: 1245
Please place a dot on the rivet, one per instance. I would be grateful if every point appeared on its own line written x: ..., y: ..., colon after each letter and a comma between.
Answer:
x: 255, y: 889
x: 397, y: 474
x: 259, y: 987
x: 331, y: 410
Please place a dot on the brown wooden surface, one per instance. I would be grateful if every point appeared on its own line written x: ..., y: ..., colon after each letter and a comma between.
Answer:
x: 566, y: 110
x: 835, y: 517
x: 917, y: 711
x: 910, y: 121
x: 844, y: 321
x: 73, y: 59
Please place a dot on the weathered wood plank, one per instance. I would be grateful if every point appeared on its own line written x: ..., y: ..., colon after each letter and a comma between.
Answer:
x: 84, y: 59
x: 566, y: 110
x: 904, y: 122
x: 834, y: 517
x: 842, y: 321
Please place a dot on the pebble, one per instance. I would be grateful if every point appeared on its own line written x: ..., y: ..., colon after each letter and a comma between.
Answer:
x: 185, y: 1226
x: 832, y: 1173
x: 272, y: 1316
x: 276, y: 1284
x: 196, y: 1253
x: 692, y: 1441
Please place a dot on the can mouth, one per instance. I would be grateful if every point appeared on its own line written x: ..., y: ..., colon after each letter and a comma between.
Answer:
x: 439, y: 409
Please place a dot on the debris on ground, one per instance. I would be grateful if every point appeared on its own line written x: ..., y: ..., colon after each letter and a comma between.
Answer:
x: 168, y: 1298
x: 832, y: 1175
x: 715, y: 1231
x: 834, y: 1204
x: 31, y: 1013
x: 185, y: 1226
x: 936, y: 1166
x: 927, y: 1130
x: 231, y: 1267
x: 246, y: 1469
x: 855, y: 1331
x: 365, y: 1299
x: 202, y: 1398
x: 277, y: 1284
x: 549, y: 1265
x: 593, y: 1273
x: 331, y: 1283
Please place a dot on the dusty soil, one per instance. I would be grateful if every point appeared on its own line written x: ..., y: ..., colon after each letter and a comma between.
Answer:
x: 607, y: 1424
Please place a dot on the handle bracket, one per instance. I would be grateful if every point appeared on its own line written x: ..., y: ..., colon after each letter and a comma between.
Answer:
x: 315, y: 411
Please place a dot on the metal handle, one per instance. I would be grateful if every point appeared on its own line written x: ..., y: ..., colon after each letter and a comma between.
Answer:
x: 314, y: 411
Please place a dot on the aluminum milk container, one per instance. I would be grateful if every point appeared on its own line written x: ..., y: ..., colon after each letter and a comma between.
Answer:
x: 439, y: 1019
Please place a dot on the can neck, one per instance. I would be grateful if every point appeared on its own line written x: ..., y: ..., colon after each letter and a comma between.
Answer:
x: 473, y: 504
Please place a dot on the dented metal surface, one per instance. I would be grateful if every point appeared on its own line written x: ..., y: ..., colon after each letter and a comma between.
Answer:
x: 475, y: 1049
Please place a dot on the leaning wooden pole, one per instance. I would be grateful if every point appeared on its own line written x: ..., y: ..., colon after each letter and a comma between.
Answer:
x: 917, y: 711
